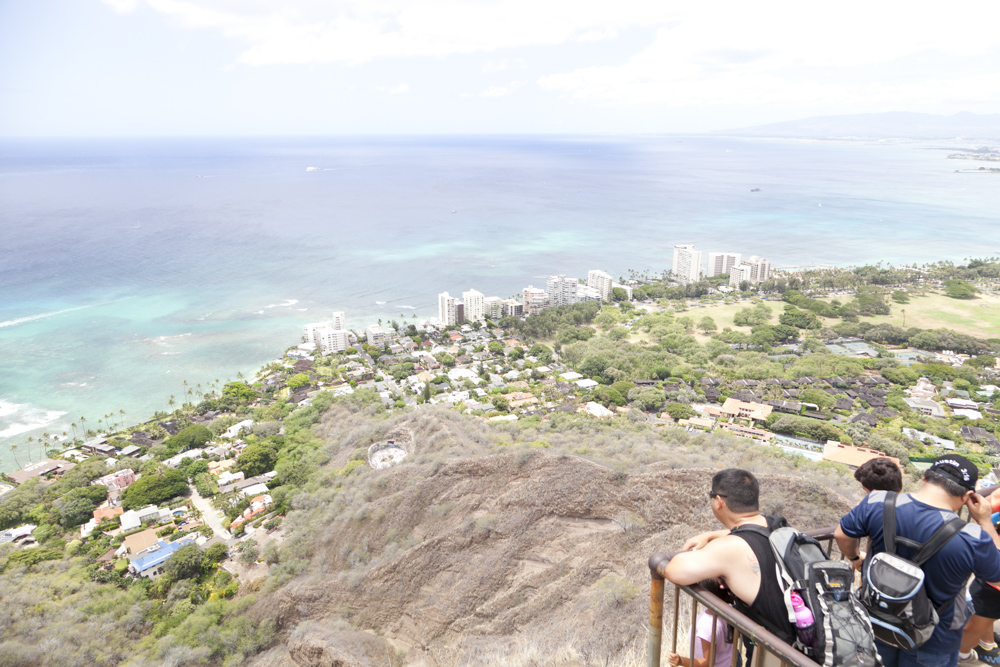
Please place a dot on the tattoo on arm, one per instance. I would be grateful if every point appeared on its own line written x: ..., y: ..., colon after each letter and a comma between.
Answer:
x: 754, y: 565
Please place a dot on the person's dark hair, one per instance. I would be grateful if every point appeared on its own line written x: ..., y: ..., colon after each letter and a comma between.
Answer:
x: 738, y: 488
x: 945, y: 482
x: 880, y: 474
x: 715, y: 588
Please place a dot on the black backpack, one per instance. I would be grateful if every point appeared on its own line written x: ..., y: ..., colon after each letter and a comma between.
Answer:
x: 892, y: 588
x: 841, y: 634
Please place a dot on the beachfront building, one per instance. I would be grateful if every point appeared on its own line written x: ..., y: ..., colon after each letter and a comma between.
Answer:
x: 561, y: 290
x: 447, y: 309
x: 339, y: 322
x: 311, y: 332
x: 600, y: 281
x: 687, y: 264
x: 754, y: 271
x: 586, y: 293
x: 534, y: 299
x: 474, y: 307
x: 512, y: 308
x: 333, y: 340
x: 493, y: 307
x: 375, y: 336
x: 625, y: 288
x: 721, y: 263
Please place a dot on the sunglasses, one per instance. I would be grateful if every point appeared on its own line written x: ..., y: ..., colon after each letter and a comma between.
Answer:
x: 716, y: 495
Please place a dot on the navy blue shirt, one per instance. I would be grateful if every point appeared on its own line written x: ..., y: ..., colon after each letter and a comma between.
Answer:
x: 971, y: 551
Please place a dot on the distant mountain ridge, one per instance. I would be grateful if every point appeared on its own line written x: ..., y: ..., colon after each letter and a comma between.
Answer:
x: 889, y: 125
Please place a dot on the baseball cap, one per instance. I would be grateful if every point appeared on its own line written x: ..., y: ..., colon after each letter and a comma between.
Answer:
x: 958, y: 468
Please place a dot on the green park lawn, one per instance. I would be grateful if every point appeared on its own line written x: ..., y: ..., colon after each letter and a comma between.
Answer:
x: 979, y: 317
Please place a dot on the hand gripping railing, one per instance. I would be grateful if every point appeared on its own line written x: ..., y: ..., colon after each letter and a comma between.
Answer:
x: 764, y: 641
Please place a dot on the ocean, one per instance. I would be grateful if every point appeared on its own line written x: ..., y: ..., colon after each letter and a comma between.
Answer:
x: 136, y: 270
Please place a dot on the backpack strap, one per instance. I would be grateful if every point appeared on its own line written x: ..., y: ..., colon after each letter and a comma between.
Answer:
x: 940, y: 538
x: 753, y: 528
x: 925, y: 551
x: 889, y: 522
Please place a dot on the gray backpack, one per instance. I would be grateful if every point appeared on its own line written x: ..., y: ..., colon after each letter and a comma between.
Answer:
x: 841, y: 635
x: 892, y: 588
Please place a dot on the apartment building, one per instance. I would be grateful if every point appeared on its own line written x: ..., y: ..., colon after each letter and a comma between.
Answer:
x: 447, y: 309
x: 754, y: 271
x: 561, y: 290
x: 375, y: 336
x: 333, y: 340
x: 534, y: 300
x: 687, y: 264
x: 473, y: 302
x: 512, y: 308
x: 721, y: 263
x: 600, y: 281
x: 493, y: 307
x: 586, y: 293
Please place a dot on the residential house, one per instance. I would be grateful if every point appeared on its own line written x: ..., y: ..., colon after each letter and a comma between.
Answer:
x: 737, y: 409
x: 43, y: 467
x: 117, y: 481
x: 152, y: 564
x: 138, y: 542
x: 596, y: 409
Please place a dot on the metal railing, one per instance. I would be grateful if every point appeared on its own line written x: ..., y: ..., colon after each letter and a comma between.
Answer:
x: 763, y: 640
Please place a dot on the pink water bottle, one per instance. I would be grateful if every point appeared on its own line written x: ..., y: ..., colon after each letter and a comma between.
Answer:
x: 804, y: 620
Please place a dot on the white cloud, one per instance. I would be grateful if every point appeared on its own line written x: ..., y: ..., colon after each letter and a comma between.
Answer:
x: 356, y: 31
x: 797, y: 56
x: 730, y: 52
x: 495, y: 66
x: 501, y: 91
x: 398, y: 89
x: 122, y: 5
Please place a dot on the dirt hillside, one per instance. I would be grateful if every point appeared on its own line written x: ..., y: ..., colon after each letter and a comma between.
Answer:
x: 481, y: 556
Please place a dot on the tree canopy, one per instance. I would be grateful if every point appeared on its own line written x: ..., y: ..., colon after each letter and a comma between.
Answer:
x: 193, y: 436
x: 153, y: 488
x: 257, y: 459
x: 185, y: 563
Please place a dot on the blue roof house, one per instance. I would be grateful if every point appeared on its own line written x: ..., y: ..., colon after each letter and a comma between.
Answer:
x: 151, y: 565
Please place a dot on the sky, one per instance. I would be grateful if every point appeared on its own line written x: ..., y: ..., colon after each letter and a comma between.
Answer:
x: 334, y: 67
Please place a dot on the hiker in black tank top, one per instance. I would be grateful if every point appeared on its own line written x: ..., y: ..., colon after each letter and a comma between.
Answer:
x: 741, y: 555
x: 768, y: 607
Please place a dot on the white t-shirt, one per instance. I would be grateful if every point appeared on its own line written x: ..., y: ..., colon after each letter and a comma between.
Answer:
x: 703, y: 630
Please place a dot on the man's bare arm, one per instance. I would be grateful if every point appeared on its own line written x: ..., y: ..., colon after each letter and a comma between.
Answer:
x: 700, y: 540
x: 690, y: 567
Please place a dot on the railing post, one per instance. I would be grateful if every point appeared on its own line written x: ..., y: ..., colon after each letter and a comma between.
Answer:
x: 654, y: 639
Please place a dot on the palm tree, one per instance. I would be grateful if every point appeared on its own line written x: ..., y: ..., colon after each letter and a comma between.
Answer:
x: 121, y: 416
x: 13, y: 448
x: 30, y: 440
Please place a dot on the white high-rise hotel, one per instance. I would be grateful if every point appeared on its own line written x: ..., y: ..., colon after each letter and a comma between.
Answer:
x: 328, y: 336
x: 474, y: 310
x: 602, y: 282
x: 447, y: 309
x: 687, y: 264
x: 721, y: 263
x: 754, y: 271
x: 561, y: 290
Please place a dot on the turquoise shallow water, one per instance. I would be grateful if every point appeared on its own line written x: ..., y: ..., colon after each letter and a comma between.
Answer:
x: 128, y: 267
